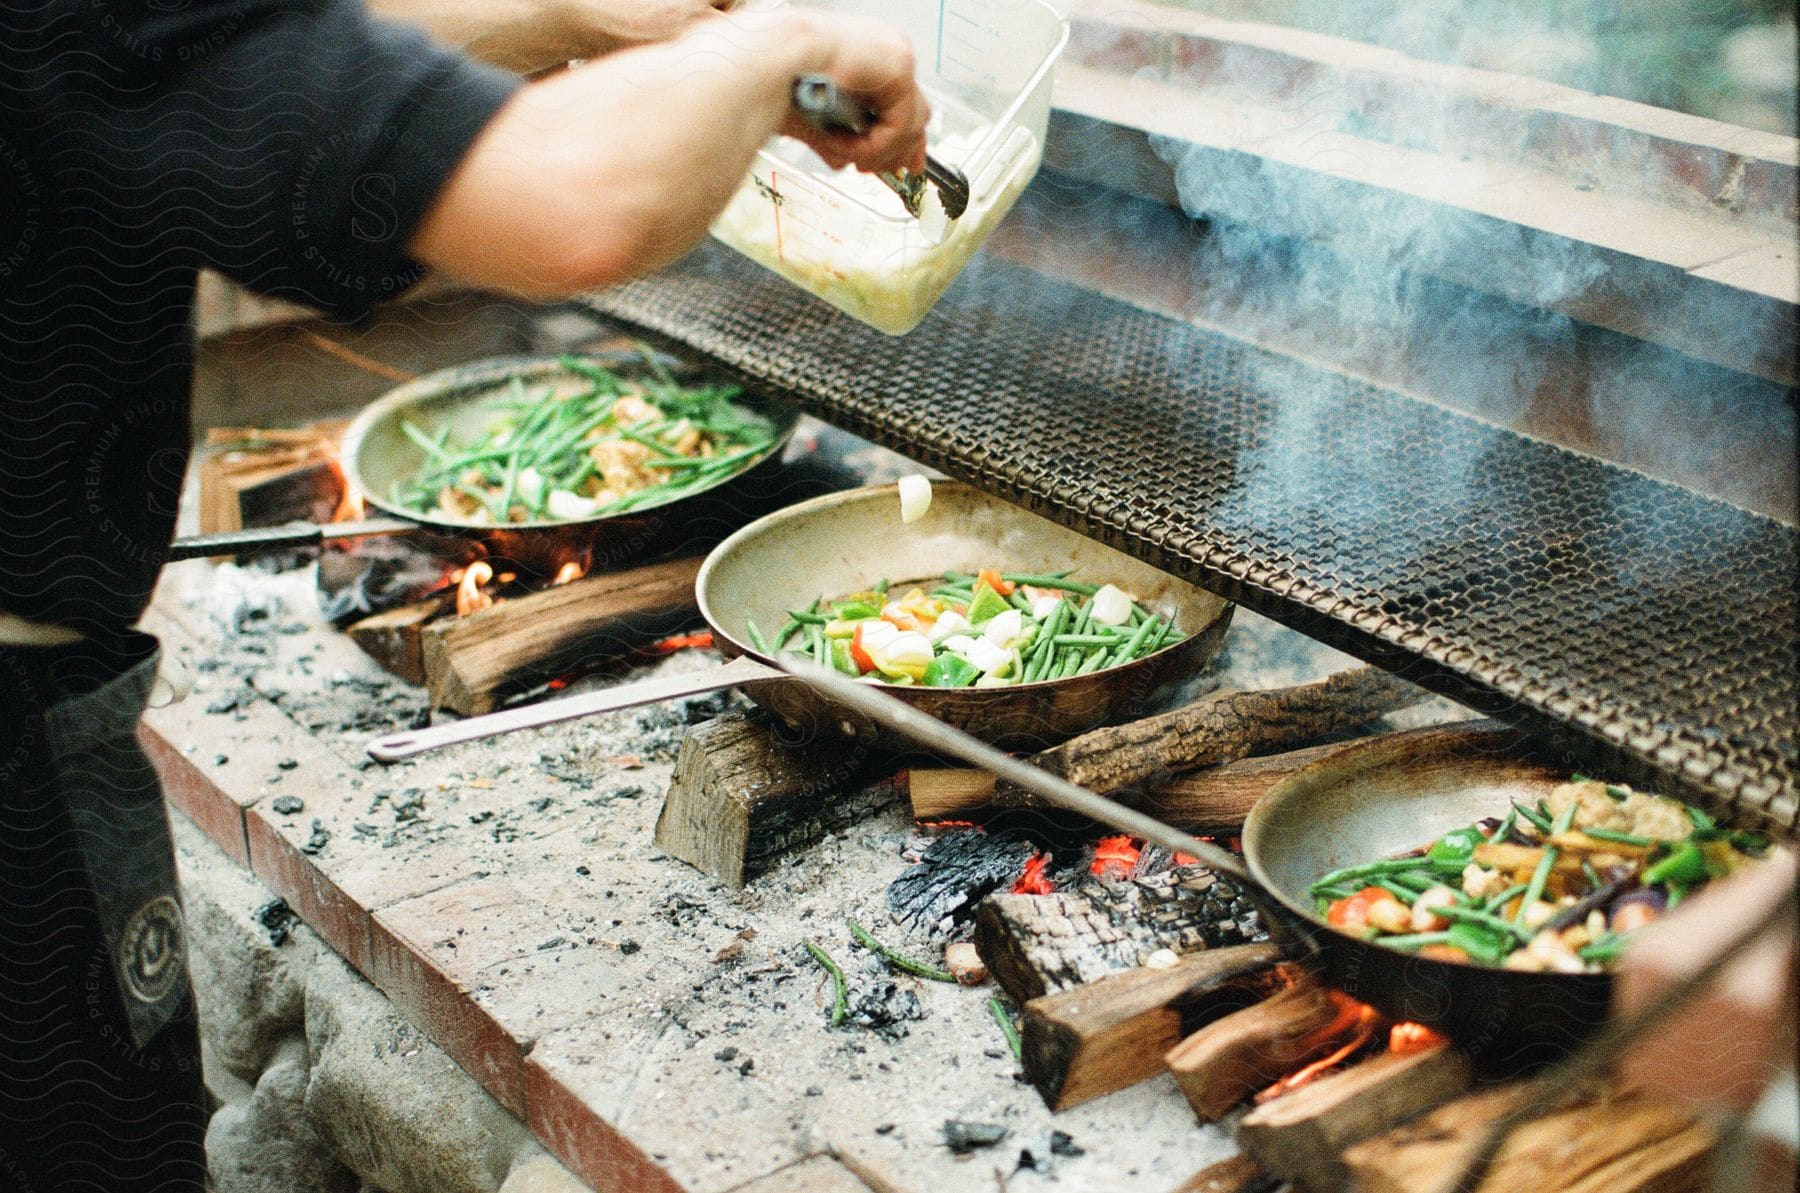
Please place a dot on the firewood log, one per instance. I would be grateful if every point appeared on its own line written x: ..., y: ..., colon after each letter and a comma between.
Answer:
x: 1301, y: 1135
x: 1041, y: 944
x: 1609, y: 1142
x: 744, y: 793
x: 1112, y: 1033
x: 472, y: 663
x: 1213, y: 800
x: 1219, y: 729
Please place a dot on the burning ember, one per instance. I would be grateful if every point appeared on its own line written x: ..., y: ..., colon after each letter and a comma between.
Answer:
x: 1114, y: 857
x: 1033, y: 881
x: 574, y: 569
x: 1414, y: 1037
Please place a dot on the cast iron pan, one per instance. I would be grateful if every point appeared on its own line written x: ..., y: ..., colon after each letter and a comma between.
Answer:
x: 1386, y: 796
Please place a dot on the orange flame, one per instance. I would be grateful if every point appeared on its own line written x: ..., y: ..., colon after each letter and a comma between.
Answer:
x: 1350, y: 1014
x: 1032, y: 881
x: 575, y: 569
x: 1414, y: 1037
x: 1115, y: 856
x: 349, y: 507
x: 469, y: 593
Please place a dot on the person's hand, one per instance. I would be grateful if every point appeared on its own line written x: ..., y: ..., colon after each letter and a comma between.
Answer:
x: 619, y: 166
x: 1721, y: 1051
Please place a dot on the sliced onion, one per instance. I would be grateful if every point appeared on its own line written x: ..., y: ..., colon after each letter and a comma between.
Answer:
x: 915, y: 498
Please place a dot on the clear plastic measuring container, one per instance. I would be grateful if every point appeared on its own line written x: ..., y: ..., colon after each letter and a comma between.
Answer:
x: 985, y: 65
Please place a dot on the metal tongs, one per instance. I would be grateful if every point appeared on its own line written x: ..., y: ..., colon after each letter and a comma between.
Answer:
x: 823, y: 106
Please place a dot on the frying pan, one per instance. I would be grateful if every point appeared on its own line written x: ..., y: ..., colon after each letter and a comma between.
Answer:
x: 843, y: 542
x: 376, y: 453
x: 1386, y: 796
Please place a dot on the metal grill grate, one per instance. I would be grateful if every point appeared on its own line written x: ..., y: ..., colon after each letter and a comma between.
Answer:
x: 1648, y: 628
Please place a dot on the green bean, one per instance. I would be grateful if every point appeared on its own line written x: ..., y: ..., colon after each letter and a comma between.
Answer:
x: 1049, y: 581
x: 881, y: 586
x: 965, y: 579
x: 1406, y: 895
x: 1414, y: 940
x: 1607, y: 834
x: 1564, y: 819
x: 839, y: 988
x: 598, y: 374
x: 650, y: 441
x: 756, y: 637
x: 1090, y: 639
x: 709, y: 462
x: 1371, y: 870
x: 1093, y: 662
x: 1540, y: 823
x: 425, y: 443
x: 1470, y: 915
x: 1512, y: 818
x: 1417, y: 880
x: 1538, y: 878
x: 1498, y: 901
x: 1135, y: 645
x: 998, y: 1011
x: 898, y: 959
x: 808, y: 616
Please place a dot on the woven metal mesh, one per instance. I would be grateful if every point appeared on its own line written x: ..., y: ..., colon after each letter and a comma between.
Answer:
x: 1648, y: 628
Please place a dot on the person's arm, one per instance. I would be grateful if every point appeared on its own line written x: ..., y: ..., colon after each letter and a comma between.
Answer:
x: 619, y: 166
x: 526, y: 36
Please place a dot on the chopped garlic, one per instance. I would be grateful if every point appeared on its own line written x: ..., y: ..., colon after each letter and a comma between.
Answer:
x: 531, y: 485
x: 915, y: 498
x: 1112, y: 606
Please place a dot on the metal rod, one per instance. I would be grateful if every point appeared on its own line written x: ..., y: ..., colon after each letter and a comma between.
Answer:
x: 928, y: 731
x: 822, y: 105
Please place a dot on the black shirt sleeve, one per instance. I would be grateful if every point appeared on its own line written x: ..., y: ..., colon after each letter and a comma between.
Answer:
x: 297, y: 145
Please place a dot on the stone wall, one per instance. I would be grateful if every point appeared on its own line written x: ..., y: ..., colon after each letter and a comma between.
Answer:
x: 324, y: 1087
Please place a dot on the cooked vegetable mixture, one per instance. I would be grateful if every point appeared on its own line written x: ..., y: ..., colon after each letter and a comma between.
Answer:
x: 984, y: 630
x: 1558, y: 887
x: 585, y: 445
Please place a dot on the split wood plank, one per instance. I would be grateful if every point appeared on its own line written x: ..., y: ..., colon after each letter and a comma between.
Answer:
x: 1301, y: 1136
x: 1106, y: 1035
x: 1214, y: 800
x: 472, y: 663
x: 1610, y: 1142
x: 743, y: 793
x: 1231, y: 1058
x: 1219, y: 729
x: 1043, y: 944
x: 395, y: 638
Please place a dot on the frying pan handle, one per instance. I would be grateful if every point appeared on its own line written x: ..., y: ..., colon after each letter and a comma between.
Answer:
x: 741, y: 670
x: 278, y: 538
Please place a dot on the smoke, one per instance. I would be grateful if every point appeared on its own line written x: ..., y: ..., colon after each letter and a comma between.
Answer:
x: 1326, y: 226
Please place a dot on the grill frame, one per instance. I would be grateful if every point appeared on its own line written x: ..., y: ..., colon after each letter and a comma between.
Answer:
x: 1486, y: 591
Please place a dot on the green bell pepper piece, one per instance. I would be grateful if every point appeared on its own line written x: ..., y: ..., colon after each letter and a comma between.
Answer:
x: 985, y: 604
x: 950, y: 671
x: 1455, y: 849
x: 854, y: 610
x: 1482, y: 943
x: 1686, y: 865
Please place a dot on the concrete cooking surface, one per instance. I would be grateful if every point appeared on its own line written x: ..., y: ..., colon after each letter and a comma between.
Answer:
x: 651, y: 1028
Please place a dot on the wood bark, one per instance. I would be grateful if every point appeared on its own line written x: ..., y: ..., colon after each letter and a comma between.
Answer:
x: 472, y: 663
x: 1301, y: 1135
x: 1609, y: 1142
x: 743, y: 794
x: 395, y: 638
x: 1214, y: 800
x: 1219, y: 729
x: 1109, y: 1034
x: 1035, y: 945
x: 1231, y: 1058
